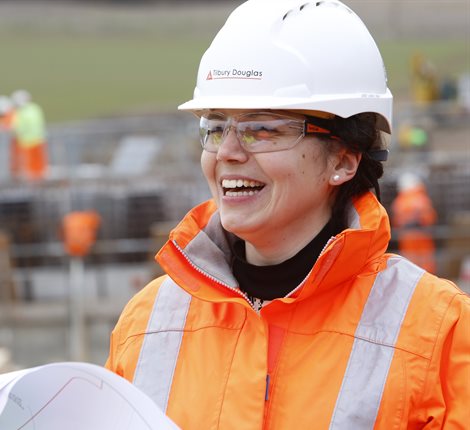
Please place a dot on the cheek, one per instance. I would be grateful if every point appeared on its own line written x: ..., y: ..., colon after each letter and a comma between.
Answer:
x: 208, y: 162
x: 312, y: 165
x: 208, y: 165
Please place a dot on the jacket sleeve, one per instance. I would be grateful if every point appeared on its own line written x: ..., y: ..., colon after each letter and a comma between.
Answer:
x: 110, y: 362
x: 449, y: 405
x: 456, y: 370
x: 129, y: 332
x: 115, y: 345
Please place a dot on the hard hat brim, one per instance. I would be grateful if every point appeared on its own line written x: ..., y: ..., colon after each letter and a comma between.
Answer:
x: 341, y: 105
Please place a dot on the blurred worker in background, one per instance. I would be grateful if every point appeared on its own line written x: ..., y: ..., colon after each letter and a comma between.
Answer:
x: 7, y: 142
x: 424, y: 81
x: 6, y: 112
x: 6, y: 137
x: 30, y: 158
x: 412, y: 213
x: 280, y: 308
x: 463, y: 91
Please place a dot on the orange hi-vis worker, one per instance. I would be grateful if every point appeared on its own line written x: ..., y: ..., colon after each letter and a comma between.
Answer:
x: 7, y: 115
x: 279, y: 308
x: 412, y: 212
x: 344, y: 342
x: 30, y: 136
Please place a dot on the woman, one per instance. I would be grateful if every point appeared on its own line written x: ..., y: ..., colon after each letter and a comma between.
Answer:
x: 281, y: 309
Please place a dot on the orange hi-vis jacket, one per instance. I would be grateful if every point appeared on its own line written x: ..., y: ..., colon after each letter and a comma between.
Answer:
x: 367, y: 341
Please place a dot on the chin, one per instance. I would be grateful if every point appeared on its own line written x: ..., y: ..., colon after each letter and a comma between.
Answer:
x: 229, y: 225
x: 246, y: 232
x: 233, y: 225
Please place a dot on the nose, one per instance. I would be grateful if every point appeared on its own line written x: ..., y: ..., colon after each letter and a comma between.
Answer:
x: 231, y: 148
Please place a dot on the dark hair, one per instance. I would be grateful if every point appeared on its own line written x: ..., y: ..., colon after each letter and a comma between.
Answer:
x: 360, y: 134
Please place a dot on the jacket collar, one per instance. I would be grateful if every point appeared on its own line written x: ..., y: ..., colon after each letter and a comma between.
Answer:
x: 198, y: 253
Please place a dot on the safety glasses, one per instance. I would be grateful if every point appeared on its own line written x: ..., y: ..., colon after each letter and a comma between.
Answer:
x: 259, y: 131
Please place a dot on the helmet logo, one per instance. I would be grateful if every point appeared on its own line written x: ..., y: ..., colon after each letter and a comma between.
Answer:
x: 234, y: 74
x: 311, y: 128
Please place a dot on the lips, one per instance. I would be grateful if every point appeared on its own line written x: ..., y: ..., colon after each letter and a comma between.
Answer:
x: 241, y: 187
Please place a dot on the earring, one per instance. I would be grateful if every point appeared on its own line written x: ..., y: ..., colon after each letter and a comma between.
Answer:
x: 335, y: 178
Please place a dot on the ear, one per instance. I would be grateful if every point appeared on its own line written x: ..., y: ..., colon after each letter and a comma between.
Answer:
x: 344, y: 166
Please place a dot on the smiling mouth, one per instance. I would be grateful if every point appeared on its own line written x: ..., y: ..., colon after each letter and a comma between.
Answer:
x: 241, y: 187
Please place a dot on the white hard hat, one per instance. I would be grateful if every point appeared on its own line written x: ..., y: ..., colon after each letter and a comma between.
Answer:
x: 296, y: 55
x: 5, y: 105
x: 408, y: 181
x: 20, y: 98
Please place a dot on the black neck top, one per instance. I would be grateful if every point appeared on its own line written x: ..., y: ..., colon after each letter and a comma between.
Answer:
x: 278, y: 280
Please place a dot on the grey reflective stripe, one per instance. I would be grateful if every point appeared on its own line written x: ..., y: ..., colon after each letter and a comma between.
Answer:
x: 160, y: 349
x: 369, y: 363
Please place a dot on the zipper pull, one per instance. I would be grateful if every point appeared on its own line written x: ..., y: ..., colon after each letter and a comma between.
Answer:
x: 266, y: 395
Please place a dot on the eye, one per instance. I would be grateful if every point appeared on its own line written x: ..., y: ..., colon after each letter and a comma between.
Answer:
x: 211, y: 130
x: 215, y: 129
x: 259, y: 130
x: 264, y: 133
x: 215, y: 134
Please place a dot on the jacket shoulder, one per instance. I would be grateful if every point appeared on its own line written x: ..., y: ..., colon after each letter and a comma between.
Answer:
x: 436, y: 308
x: 443, y: 292
x: 128, y: 334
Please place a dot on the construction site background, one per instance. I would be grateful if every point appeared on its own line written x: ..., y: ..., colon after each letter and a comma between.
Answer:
x: 140, y: 174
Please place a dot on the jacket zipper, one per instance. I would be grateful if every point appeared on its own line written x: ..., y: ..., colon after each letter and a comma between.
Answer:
x: 207, y: 275
x: 266, y: 396
x: 240, y: 293
x: 237, y: 291
x: 268, y: 376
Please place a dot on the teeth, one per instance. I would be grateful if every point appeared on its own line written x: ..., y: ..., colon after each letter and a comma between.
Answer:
x: 241, y: 193
x: 238, y: 183
x: 230, y: 186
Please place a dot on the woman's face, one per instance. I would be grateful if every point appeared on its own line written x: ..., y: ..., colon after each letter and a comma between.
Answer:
x: 270, y: 195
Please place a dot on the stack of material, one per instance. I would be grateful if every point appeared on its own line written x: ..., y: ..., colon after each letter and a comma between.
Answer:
x: 458, y: 247
x: 7, y: 283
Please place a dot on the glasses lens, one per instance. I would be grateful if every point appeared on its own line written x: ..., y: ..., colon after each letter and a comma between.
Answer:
x: 211, y: 130
x: 266, y: 132
x: 257, y: 132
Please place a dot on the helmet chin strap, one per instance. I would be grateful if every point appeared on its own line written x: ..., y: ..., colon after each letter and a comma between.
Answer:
x: 378, y: 154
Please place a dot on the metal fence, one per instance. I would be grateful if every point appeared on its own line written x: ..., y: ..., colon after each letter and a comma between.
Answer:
x: 141, y: 175
x: 140, y: 171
